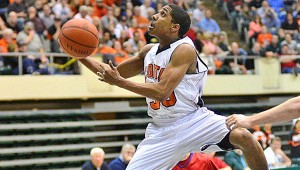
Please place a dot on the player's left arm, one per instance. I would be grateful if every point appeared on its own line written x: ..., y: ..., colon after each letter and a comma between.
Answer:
x: 183, y: 58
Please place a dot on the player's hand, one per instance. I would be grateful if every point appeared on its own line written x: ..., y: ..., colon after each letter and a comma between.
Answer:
x: 237, y: 120
x: 109, y: 75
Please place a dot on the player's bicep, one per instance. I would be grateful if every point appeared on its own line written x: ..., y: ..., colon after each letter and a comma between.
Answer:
x: 134, y: 65
x: 182, y: 59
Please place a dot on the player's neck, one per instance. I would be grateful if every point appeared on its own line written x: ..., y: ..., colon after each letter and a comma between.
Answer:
x: 167, y: 41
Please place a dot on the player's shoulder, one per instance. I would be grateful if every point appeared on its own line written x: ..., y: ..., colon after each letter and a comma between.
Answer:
x: 145, y: 50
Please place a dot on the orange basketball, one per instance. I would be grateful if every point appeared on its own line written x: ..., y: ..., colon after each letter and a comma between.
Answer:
x: 78, y: 38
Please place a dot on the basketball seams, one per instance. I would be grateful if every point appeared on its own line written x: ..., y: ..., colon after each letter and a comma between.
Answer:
x: 96, y: 36
x: 76, y: 41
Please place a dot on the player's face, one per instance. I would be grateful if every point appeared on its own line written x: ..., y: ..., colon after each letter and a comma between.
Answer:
x: 161, y: 22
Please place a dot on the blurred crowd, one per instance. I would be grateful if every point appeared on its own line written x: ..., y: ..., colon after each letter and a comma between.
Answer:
x: 270, y: 27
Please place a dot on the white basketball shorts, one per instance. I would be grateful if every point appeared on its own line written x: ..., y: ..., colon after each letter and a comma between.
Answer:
x: 166, y: 143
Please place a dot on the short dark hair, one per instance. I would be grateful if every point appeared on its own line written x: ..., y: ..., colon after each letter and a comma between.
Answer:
x: 181, y: 17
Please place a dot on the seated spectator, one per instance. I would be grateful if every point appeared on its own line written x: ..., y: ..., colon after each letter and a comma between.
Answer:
x: 7, y: 40
x: 195, y: 161
x: 134, y: 41
x: 207, y: 24
x: 256, y: 51
x: 120, y: 54
x: 223, y: 41
x: 276, y: 158
x: 208, y: 59
x: 145, y: 8
x: 198, y: 13
x: 198, y: 42
x: 53, y: 33
x: 273, y: 49
x: 290, y: 42
x: 120, y: 27
x: 63, y: 10
x: 221, y: 165
x: 12, y: 22
x: 106, y: 39
x: 142, y: 22
x: 295, y: 140
x: 230, y: 66
x: 208, y: 41
x: 267, y: 129
x: 121, y: 162
x: 255, y: 4
x: 133, y: 27
x: 259, y: 136
x: 265, y: 37
x: 108, y: 19
x: 99, y: 8
x: 19, y: 8
x: 271, y: 21
x: 235, y: 159
x: 83, y: 13
x: 290, y: 25
x: 39, y: 25
x: 97, y: 160
x: 47, y: 16
x: 235, y: 10
x: 255, y: 27
x: 287, y: 60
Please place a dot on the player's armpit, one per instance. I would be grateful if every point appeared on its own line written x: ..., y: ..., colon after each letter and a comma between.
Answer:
x: 134, y: 65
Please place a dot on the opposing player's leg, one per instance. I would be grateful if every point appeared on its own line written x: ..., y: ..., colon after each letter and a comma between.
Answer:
x: 242, y: 139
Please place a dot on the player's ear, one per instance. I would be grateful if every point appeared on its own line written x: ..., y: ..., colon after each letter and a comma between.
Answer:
x: 175, y: 27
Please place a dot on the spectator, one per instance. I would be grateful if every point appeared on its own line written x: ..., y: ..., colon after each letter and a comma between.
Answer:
x: 108, y: 19
x: 255, y: 27
x: 63, y: 10
x: 264, y: 38
x: 53, y: 33
x: 290, y: 25
x: 276, y: 158
x: 142, y: 22
x: 135, y: 41
x: 106, y: 39
x: 39, y: 25
x: 255, y: 4
x: 290, y: 42
x: 34, y: 44
x: 207, y: 24
x: 83, y: 13
x: 47, y: 16
x: 121, y: 162
x: 221, y: 165
x: 271, y: 21
x: 198, y: 41
x: 198, y: 13
x: 265, y: 7
x: 288, y: 63
x: 267, y: 130
x: 195, y: 161
x: 18, y: 7
x: 273, y: 49
x: 99, y: 8
x: 208, y: 59
x: 7, y: 40
x: 213, y: 46
x: 295, y: 140
x: 239, y: 66
x: 235, y: 159
x: 223, y: 41
x: 135, y: 28
x: 120, y: 54
x: 120, y: 27
x: 12, y: 22
x: 259, y: 136
x: 97, y: 160
x: 145, y: 8
x: 235, y: 10
x: 256, y: 51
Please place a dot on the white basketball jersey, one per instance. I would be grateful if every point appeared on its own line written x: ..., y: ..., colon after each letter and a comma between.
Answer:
x: 186, y: 95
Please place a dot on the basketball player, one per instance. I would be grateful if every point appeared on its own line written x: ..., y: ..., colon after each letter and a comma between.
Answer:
x: 286, y: 111
x: 175, y: 77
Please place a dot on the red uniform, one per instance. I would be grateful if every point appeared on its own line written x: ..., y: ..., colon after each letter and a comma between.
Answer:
x: 196, y: 161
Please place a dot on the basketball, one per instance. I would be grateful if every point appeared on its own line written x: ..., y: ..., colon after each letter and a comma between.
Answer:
x: 78, y: 38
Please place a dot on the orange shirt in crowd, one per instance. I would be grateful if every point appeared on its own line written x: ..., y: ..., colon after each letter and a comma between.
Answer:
x: 261, y: 38
x: 4, y: 45
x: 119, y: 56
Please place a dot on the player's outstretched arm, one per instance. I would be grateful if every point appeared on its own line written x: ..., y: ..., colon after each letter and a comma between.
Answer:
x: 128, y: 68
x: 286, y: 111
x: 182, y: 59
